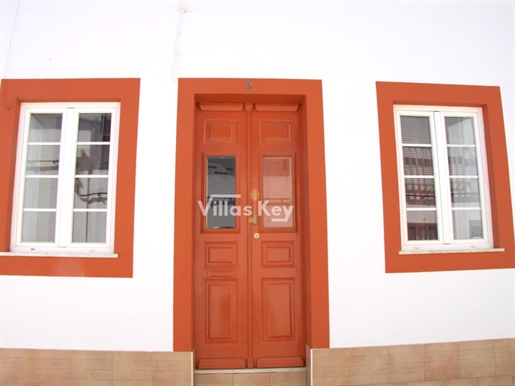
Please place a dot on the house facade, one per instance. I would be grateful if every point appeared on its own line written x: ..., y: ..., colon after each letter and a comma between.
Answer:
x: 272, y: 193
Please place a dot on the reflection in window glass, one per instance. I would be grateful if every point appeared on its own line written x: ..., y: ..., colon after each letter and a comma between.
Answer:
x: 41, y: 171
x: 464, y: 178
x: 278, y: 192
x: 221, y: 193
x: 91, y: 178
x: 420, y: 192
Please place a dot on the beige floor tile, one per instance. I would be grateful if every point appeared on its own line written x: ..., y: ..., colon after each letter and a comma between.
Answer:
x: 449, y: 346
x: 92, y: 374
x: 495, y: 381
x: 477, y: 353
x: 251, y: 379
x: 296, y: 378
x: 442, y: 370
x: 476, y: 344
x: 460, y: 382
x: 425, y: 383
x: 361, y: 351
x: 131, y: 375
x: 406, y: 349
x: 397, y: 358
x: 369, y: 379
x: 369, y: 360
x: 91, y: 382
x: 213, y: 379
x: 105, y: 355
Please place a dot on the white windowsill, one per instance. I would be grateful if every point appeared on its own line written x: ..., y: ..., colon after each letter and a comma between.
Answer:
x: 426, y: 251
x: 40, y: 254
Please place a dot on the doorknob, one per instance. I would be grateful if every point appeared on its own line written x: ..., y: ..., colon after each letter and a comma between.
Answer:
x: 254, y: 196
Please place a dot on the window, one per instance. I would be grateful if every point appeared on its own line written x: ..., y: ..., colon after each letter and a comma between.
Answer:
x: 65, y: 178
x: 68, y: 161
x: 445, y: 180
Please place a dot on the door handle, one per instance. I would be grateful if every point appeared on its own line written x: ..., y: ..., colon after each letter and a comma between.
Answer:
x: 254, y: 196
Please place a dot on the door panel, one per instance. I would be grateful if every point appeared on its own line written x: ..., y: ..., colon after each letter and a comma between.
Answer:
x: 249, y: 307
x: 220, y: 287
x: 278, y: 310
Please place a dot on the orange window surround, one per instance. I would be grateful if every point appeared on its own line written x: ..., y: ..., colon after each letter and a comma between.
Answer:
x: 16, y: 91
x: 488, y: 98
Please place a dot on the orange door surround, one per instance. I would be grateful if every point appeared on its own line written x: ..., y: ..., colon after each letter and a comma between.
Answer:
x: 249, y: 306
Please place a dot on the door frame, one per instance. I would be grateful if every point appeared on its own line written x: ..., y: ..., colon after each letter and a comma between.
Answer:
x: 309, y: 94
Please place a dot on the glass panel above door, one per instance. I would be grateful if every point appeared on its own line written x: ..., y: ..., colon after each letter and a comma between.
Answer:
x: 220, y: 192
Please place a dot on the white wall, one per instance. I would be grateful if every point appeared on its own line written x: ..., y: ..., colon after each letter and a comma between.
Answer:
x: 350, y: 46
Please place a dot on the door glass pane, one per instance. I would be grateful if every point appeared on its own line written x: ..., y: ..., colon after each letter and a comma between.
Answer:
x: 278, y: 192
x: 220, y: 204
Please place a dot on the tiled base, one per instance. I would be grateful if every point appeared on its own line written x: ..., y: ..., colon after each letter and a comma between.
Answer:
x: 94, y: 368
x: 474, y: 363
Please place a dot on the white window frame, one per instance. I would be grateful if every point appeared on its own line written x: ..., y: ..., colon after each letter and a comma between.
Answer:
x: 66, y: 180
x: 446, y: 241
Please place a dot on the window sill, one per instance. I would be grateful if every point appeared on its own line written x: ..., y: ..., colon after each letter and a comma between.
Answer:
x: 65, y: 255
x: 446, y: 251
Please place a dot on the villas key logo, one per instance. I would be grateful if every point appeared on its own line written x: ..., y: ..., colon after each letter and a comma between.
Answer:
x: 223, y: 205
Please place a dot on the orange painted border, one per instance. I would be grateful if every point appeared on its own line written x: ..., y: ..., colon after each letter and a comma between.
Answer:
x: 125, y: 91
x: 307, y: 92
x: 489, y: 99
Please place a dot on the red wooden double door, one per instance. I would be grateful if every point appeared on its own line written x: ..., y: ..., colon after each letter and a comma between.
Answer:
x: 248, y: 273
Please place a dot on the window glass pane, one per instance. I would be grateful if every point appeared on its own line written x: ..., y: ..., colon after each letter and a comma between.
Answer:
x: 43, y: 159
x: 467, y: 224
x: 422, y: 225
x: 459, y: 131
x: 40, y: 193
x: 89, y: 227
x: 415, y: 130
x: 462, y: 161
x: 221, y: 193
x: 94, y: 127
x: 420, y: 192
x: 92, y: 159
x: 278, y: 192
x: 45, y: 128
x: 90, y: 193
x: 465, y: 192
x: 38, y: 226
x: 417, y: 161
